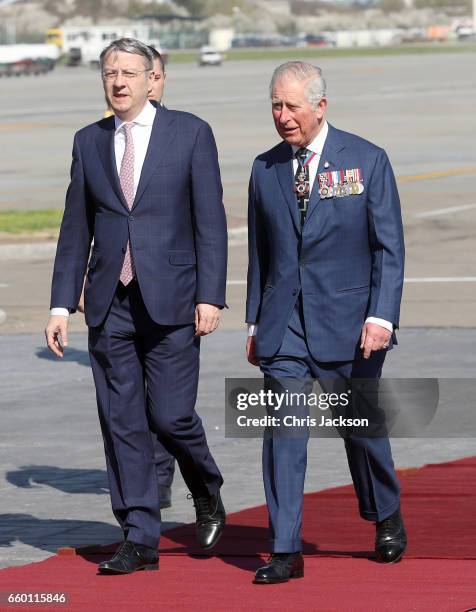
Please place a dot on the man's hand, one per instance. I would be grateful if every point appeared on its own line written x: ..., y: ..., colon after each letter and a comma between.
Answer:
x: 56, y: 333
x: 207, y: 317
x: 373, y: 338
x: 250, y: 351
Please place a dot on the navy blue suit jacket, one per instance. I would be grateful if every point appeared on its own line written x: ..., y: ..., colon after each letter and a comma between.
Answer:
x: 347, y: 261
x: 176, y: 228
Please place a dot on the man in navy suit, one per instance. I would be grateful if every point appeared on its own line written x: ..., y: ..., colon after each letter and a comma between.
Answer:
x: 325, y: 276
x: 145, y: 184
x: 164, y: 461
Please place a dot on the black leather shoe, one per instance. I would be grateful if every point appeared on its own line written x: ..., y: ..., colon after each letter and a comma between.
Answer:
x: 165, y: 497
x: 210, y: 519
x: 281, y: 567
x: 390, y: 538
x: 129, y: 558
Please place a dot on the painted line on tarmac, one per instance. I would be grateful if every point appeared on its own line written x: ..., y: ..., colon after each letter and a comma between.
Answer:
x: 10, y: 127
x: 4, y: 285
x: 425, y: 176
x: 444, y: 211
x: 442, y: 279
x: 39, y: 250
x: 422, y: 279
x: 3, y: 316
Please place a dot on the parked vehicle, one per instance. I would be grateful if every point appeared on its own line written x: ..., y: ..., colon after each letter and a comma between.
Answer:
x: 19, y: 60
x: 209, y: 56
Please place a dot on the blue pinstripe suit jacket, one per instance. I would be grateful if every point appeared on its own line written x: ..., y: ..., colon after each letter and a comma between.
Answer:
x: 177, y: 225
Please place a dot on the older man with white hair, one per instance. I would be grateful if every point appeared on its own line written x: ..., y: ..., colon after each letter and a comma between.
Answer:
x: 325, y: 276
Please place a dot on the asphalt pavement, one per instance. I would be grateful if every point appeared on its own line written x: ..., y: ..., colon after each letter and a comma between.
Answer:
x: 52, y: 473
x: 419, y: 108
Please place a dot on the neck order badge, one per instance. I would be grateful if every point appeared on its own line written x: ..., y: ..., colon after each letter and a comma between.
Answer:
x: 301, y: 180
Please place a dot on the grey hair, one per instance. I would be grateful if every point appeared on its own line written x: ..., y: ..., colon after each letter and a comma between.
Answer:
x: 128, y: 45
x: 315, y: 89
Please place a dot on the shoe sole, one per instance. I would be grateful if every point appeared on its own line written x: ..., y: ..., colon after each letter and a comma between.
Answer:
x: 383, y: 562
x: 111, y: 572
x: 298, y: 574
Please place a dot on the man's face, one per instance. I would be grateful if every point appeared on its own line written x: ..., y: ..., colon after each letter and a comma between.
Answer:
x: 157, y: 88
x: 126, y: 83
x: 296, y: 121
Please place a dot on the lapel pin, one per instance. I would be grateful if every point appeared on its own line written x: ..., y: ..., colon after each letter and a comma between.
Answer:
x: 326, y: 164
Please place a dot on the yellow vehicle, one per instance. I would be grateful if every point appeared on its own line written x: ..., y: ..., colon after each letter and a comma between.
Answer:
x: 54, y: 36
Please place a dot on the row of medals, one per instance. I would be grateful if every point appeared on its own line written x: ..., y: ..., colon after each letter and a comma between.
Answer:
x: 352, y: 185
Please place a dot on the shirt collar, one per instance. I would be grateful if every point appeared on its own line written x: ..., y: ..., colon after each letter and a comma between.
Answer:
x: 317, y: 144
x: 145, y: 117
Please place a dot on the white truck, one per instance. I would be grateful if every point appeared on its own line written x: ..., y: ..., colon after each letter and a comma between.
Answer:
x: 83, y: 44
x: 18, y: 60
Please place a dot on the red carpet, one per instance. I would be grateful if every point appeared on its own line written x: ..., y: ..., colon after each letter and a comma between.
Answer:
x: 438, y: 501
x: 437, y: 574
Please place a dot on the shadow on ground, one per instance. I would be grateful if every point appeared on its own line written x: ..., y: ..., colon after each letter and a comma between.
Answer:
x: 71, y: 355
x: 51, y: 534
x: 68, y: 480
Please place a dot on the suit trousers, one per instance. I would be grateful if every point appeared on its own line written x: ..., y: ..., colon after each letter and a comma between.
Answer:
x: 285, y: 456
x: 146, y: 377
x: 164, y: 462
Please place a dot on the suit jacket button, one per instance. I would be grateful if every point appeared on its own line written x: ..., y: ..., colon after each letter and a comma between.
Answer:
x: 131, y: 217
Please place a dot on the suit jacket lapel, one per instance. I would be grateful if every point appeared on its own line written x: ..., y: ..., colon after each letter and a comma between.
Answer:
x: 284, y: 171
x: 160, y: 143
x: 330, y: 154
x: 105, y: 147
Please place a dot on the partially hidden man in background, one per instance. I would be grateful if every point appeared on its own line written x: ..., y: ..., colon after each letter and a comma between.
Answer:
x: 325, y: 277
x: 145, y: 184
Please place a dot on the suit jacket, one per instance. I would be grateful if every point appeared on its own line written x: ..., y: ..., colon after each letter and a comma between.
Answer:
x: 347, y: 262
x: 176, y: 227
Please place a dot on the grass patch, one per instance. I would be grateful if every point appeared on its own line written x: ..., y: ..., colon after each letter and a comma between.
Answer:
x: 283, y: 53
x: 29, y: 221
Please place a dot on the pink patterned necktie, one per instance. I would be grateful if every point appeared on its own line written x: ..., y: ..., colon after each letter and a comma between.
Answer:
x: 126, y: 177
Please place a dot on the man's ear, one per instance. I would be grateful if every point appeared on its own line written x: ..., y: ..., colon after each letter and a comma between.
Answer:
x: 321, y: 108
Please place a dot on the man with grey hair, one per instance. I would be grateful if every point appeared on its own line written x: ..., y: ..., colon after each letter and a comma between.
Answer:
x: 145, y: 185
x: 325, y: 276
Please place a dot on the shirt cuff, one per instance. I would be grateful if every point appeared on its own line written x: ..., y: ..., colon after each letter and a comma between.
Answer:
x: 381, y: 322
x: 63, y: 312
x: 252, y: 329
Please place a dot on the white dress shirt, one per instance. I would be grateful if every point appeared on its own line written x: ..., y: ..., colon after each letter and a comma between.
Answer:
x: 141, y: 131
x: 316, y: 146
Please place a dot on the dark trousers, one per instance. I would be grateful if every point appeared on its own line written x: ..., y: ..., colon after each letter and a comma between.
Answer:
x: 164, y: 463
x: 285, y: 457
x: 146, y: 376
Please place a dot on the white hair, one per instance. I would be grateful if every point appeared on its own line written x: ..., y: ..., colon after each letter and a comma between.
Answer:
x: 315, y: 88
